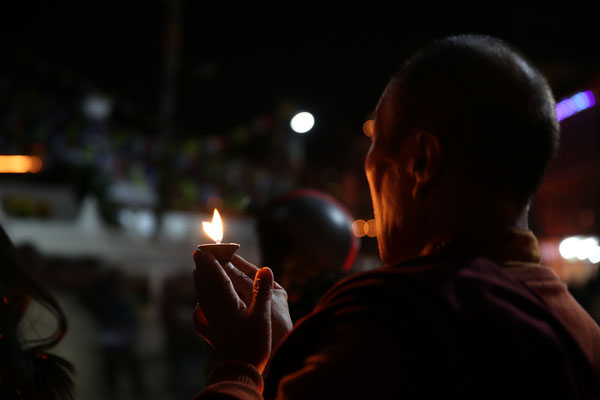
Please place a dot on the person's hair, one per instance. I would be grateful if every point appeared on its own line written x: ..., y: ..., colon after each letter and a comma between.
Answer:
x: 490, y: 107
x: 27, y: 369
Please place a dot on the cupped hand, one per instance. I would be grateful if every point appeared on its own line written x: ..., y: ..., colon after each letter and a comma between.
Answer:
x: 241, y: 311
x: 242, y: 274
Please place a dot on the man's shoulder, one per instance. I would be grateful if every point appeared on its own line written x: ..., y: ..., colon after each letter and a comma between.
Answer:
x: 456, y: 280
x: 469, y: 315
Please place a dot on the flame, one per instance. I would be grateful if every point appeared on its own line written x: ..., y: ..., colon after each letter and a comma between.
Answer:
x: 214, y: 229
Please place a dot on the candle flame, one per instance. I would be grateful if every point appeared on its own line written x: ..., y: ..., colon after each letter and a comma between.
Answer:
x: 214, y: 229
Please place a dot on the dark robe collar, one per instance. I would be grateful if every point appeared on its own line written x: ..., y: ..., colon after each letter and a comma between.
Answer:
x: 505, y: 247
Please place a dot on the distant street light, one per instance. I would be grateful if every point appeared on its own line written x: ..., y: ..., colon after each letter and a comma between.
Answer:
x: 302, y: 122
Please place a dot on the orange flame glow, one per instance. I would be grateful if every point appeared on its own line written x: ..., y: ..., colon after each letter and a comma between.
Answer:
x: 214, y: 229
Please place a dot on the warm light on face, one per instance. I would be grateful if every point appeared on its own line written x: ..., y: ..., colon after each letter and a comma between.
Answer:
x: 20, y: 164
x: 214, y: 229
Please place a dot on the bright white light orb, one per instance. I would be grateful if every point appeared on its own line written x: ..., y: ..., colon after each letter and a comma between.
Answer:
x: 595, y: 256
x: 581, y: 248
x: 302, y: 122
x: 569, y: 247
x: 587, y: 248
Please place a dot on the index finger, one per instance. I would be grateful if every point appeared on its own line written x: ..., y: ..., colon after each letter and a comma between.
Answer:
x: 249, y: 269
x: 246, y: 267
x: 242, y: 283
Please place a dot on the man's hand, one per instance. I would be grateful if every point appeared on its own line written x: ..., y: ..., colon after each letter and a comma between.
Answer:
x: 242, y: 274
x: 241, y: 311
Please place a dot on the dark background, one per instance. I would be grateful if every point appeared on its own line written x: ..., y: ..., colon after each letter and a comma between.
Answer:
x: 238, y: 60
x: 235, y: 63
x: 201, y: 96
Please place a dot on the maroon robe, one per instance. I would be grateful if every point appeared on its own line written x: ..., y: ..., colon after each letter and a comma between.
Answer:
x: 452, y: 324
x: 430, y: 328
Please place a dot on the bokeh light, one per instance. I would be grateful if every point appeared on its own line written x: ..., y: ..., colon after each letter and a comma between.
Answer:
x: 371, y: 228
x: 574, y: 104
x: 369, y: 128
x: 97, y: 107
x: 19, y: 164
x: 581, y: 248
x: 358, y: 227
x: 302, y: 122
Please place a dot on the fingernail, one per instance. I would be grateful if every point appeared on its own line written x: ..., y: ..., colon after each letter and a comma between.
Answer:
x: 260, y: 277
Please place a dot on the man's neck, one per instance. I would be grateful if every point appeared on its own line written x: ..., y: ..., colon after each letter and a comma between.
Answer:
x: 484, y: 216
x: 487, y: 224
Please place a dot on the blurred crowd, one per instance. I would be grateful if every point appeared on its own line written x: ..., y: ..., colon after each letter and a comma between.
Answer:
x: 100, y: 144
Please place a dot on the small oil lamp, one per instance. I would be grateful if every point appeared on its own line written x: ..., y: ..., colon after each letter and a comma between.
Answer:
x: 223, y: 252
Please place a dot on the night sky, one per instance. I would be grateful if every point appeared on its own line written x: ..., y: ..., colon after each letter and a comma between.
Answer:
x: 238, y: 61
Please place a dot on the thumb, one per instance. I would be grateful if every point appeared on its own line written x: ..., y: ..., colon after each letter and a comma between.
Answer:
x: 262, y: 292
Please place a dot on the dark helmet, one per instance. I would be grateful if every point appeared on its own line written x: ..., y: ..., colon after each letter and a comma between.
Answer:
x: 306, y: 238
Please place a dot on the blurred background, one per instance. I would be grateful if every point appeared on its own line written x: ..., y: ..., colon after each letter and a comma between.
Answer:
x: 134, y: 120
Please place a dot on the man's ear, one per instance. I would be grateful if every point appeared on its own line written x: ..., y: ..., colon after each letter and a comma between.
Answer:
x: 426, y: 164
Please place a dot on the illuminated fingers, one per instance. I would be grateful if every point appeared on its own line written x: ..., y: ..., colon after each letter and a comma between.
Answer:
x: 249, y: 269
x: 262, y: 293
x: 241, y: 282
x: 216, y: 294
x: 246, y: 267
